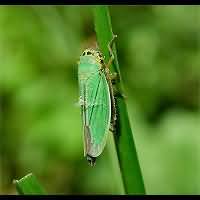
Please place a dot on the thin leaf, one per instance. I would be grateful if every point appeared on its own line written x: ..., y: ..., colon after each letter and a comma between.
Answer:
x: 126, y: 150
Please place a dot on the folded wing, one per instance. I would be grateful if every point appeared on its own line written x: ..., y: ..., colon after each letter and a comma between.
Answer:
x: 96, y: 112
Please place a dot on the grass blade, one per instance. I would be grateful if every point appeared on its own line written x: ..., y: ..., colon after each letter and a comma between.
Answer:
x: 28, y: 185
x: 126, y: 151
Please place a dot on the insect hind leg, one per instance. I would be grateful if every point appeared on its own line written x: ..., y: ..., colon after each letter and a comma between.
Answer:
x: 112, y: 127
x: 111, y: 51
x: 113, y: 111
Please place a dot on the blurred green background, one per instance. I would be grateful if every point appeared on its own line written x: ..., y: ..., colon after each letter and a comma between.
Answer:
x: 41, y: 132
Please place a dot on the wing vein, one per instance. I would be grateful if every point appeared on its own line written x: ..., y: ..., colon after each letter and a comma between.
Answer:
x: 93, y: 103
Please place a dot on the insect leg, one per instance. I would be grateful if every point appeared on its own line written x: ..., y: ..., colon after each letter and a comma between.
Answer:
x: 111, y: 52
x: 113, y: 108
x: 114, y: 77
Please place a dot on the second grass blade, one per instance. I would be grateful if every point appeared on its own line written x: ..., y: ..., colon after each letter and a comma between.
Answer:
x: 29, y: 185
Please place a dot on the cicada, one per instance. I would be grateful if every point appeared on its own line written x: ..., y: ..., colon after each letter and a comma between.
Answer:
x: 97, y: 101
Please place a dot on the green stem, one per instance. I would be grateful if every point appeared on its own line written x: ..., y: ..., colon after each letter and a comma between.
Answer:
x: 126, y: 150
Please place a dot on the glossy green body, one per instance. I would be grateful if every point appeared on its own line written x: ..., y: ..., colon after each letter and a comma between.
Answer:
x: 95, y: 102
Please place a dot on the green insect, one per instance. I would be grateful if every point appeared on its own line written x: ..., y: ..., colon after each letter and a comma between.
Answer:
x: 97, y: 101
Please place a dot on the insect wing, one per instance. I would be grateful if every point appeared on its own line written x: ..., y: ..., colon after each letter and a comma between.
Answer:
x: 96, y: 112
x: 99, y: 116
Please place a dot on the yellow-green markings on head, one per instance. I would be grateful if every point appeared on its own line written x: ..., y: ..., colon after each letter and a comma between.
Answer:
x: 95, y: 101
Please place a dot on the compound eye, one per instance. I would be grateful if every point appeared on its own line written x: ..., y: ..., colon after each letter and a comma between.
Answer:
x: 89, y: 53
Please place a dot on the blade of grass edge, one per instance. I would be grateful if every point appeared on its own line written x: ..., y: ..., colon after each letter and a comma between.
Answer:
x: 28, y: 185
x: 125, y: 146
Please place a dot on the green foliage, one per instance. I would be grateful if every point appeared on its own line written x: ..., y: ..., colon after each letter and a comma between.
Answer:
x: 159, y: 53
